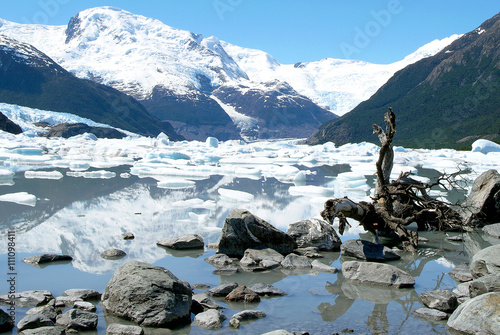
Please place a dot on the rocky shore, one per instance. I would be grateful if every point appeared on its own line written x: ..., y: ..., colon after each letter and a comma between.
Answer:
x: 146, y: 297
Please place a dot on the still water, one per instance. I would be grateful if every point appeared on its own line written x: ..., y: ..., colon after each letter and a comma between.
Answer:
x: 82, y: 217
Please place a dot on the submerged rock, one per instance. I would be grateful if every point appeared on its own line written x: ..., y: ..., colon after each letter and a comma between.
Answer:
x: 480, y: 315
x: 314, y: 233
x: 188, y: 241
x: 430, y: 313
x: 376, y: 274
x: 46, y: 258
x: 366, y: 250
x: 148, y: 295
x: 243, y: 230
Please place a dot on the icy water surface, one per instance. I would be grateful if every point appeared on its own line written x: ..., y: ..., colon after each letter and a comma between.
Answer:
x: 63, y: 198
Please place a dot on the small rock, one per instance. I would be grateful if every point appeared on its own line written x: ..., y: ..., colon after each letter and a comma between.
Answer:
x: 188, y: 241
x: 322, y: 267
x: 293, y: 261
x: 243, y: 294
x: 222, y: 290
x: 219, y: 260
x: 128, y: 236
x: 113, y: 254
x: 66, y: 301
x: 117, y: 329
x: 246, y: 315
x: 83, y: 294
x: 76, y: 319
x: 484, y: 284
x: 46, y: 258
x: 205, y: 302
x: 366, y: 250
x: 85, y: 306
x: 211, y: 319
x: 261, y: 258
x: 6, y: 322
x: 314, y: 233
x: 266, y: 290
x: 376, y: 274
x: 486, y: 261
x: 461, y: 273
x: 47, y: 330
x: 47, y: 310
x: 226, y: 271
x: 32, y: 321
x: 28, y: 298
x: 479, y: 315
x: 430, y: 313
x: 443, y: 300
x: 492, y: 229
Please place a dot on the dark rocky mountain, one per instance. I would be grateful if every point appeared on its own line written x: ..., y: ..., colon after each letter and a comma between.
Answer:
x: 447, y: 100
x: 8, y: 126
x: 30, y: 78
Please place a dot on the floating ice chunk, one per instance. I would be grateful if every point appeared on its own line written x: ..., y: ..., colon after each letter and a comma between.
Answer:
x: 212, y: 142
x: 311, y: 190
x: 6, y: 174
x: 235, y: 195
x: 100, y: 174
x: 79, y: 166
x: 125, y: 175
x: 43, y: 175
x: 21, y: 198
x: 28, y: 151
x: 163, y: 139
x: 242, y: 171
x: 485, y: 146
x: 174, y: 155
x: 84, y: 137
x: 176, y: 183
x: 300, y: 178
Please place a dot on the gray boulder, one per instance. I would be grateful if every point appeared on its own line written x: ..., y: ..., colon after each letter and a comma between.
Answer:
x: 460, y: 273
x: 442, y: 300
x: 484, y: 284
x: 83, y: 294
x: 6, y: 322
x: 46, y: 258
x: 293, y: 261
x: 204, y: 303
x: 261, y: 258
x: 211, y: 319
x: 266, y: 290
x: 486, y: 261
x: 480, y: 315
x: 366, y: 250
x: 370, y: 273
x: 429, y: 313
x: 32, y: 321
x: 314, y: 233
x: 76, y: 319
x: 243, y: 230
x: 492, y: 230
x: 113, y: 254
x: 188, y: 241
x: 47, y: 310
x: 28, y: 298
x: 322, y: 267
x: 462, y: 290
x: 47, y: 330
x: 219, y: 260
x: 85, y: 306
x: 483, y: 202
x: 245, y: 316
x: 221, y: 290
x: 117, y: 329
x: 148, y: 295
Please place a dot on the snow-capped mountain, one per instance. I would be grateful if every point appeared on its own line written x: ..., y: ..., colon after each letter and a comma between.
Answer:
x: 193, y: 81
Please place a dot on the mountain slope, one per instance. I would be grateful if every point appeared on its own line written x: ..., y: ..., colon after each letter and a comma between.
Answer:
x: 447, y: 100
x: 30, y: 78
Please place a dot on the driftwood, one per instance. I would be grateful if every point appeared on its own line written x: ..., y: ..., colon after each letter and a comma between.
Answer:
x: 399, y: 203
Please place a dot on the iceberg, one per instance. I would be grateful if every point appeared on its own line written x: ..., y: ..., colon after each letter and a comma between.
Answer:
x: 43, y: 175
x: 21, y: 198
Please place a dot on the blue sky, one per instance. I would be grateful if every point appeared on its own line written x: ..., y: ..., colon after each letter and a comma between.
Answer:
x: 292, y: 30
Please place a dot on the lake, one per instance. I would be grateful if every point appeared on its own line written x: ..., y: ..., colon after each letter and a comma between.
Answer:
x: 79, y: 196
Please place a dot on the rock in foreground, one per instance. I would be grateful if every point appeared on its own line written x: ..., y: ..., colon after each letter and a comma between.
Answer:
x: 480, y: 315
x: 148, y: 295
x: 243, y: 230
x: 484, y: 200
x: 486, y: 261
